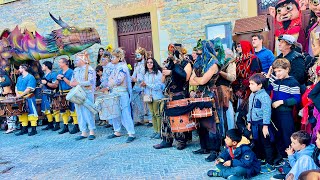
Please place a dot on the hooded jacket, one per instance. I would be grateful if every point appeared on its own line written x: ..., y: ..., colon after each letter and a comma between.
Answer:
x: 243, y: 156
x: 295, y: 156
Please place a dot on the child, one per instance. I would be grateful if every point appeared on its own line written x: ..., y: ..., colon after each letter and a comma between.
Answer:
x: 237, y: 160
x: 286, y: 94
x: 258, y: 119
x: 313, y: 174
x: 299, y: 156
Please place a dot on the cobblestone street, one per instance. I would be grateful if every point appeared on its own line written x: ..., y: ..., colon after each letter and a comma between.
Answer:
x: 49, y: 155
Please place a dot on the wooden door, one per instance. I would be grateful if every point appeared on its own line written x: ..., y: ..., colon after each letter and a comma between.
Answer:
x: 134, y: 31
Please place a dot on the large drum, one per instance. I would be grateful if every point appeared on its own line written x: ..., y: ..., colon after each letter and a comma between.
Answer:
x: 60, y: 102
x: 181, y: 123
x: 76, y: 95
x: 201, y: 113
x: 109, y: 106
x: 12, y: 107
x: 39, y: 112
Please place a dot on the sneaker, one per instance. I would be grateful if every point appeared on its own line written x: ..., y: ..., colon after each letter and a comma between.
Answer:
x: 267, y: 169
x: 278, y: 176
x: 284, y: 168
x: 130, y: 139
x: 138, y: 124
x: 233, y: 177
x: 280, y: 163
x: 263, y: 162
x: 213, y: 173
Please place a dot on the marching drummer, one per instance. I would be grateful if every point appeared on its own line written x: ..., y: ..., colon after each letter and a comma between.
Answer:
x: 64, y: 78
x: 179, y: 72
x: 48, y: 86
x: 120, y: 83
x: 5, y: 90
x: 25, y: 86
x: 85, y: 76
x: 107, y: 69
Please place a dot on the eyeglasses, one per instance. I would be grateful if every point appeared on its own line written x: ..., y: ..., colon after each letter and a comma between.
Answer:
x: 315, y: 2
x: 149, y: 62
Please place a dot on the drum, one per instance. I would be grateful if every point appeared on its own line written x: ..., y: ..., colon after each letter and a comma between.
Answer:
x: 37, y: 93
x: 60, y: 102
x: 201, y: 113
x: 182, y: 123
x: 40, y: 114
x: 12, y: 107
x: 76, y: 95
x: 109, y: 106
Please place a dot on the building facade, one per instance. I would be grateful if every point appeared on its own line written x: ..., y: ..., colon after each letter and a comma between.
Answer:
x: 131, y: 23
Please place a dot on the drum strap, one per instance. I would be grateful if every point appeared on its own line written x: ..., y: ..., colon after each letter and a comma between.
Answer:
x: 86, y: 74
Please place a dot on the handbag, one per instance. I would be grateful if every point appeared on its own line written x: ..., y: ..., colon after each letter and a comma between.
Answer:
x: 147, y: 98
x: 224, y: 95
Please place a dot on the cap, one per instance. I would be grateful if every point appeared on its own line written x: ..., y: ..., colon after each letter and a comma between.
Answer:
x: 288, y: 38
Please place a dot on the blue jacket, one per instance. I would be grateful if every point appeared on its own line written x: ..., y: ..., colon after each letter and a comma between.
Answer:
x: 306, y: 151
x: 244, y: 157
x: 266, y: 57
x: 259, y: 107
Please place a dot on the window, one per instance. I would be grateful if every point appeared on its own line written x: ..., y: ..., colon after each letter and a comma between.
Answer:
x: 263, y: 6
x: 221, y: 30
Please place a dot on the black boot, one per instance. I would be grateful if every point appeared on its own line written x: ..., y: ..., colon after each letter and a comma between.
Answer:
x: 49, y: 126
x: 65, y: 129
x: 212, y: 157
x: 75, y: 129
x: 24, y: 130
x: 33, y: 131
x: 56, y: 127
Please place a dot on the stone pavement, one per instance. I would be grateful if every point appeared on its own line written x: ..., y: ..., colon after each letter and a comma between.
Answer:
x: 49, y: 155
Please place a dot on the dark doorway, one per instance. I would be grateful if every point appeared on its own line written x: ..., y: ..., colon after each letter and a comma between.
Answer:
x: 134, y: 31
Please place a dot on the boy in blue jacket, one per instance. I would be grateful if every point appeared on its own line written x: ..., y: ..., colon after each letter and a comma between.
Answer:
x: 299, y: 156
x: 258, y: 118
x: 237, y: 160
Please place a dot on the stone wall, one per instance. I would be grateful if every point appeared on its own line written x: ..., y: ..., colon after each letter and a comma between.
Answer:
x: 181, y: 21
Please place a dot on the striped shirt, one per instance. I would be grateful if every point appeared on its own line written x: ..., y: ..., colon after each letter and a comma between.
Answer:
x: 288, y: 90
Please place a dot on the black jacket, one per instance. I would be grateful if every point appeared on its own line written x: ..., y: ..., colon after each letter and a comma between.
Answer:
x: 297, y: 65
x: 314, y: 95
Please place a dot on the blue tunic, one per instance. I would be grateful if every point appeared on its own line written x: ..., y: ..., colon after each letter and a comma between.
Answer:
x: 46, y: 100
x: 22, y: 84
x: 63, y: 86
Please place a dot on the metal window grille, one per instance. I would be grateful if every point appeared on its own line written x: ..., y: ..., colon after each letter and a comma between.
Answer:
x: 263, y: 6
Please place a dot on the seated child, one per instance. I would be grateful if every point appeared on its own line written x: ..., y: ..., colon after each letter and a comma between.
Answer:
x: 299, y: 156
x: 237, y: 160
x: 315, y: 173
